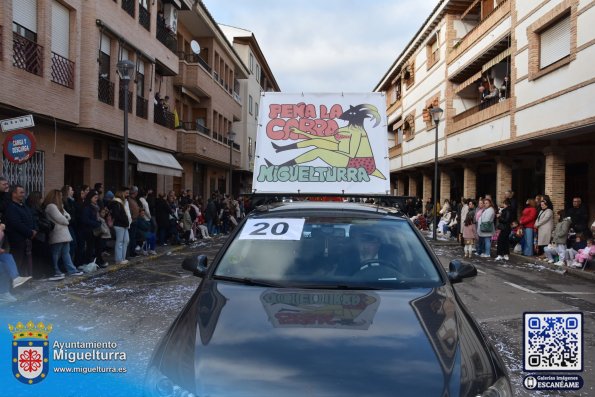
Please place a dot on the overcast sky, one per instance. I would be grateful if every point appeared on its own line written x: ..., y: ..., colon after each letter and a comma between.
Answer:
x: 327, y: 45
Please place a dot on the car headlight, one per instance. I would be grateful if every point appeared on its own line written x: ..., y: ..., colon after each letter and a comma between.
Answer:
x: 499, y: 389
x: 159, y: 385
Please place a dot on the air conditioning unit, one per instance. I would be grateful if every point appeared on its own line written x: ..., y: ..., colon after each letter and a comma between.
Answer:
x: 171, y: 17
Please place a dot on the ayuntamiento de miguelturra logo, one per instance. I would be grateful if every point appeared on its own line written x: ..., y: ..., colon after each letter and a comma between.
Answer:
x: 30, y: 351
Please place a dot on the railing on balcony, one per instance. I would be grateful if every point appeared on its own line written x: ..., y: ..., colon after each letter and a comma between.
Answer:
x: 128, y: 6
x: 194, y: 58
x: 105, y: 91
x: 237, y: 97
x: 203, y: 130
x: 144, y: 17
x: 164, y: 117
x: 121, y: 100
x: 167, y: 37
x: 142, y: 107
x: 477, y: 108
x: 62, y: 70
x: 27, y: 54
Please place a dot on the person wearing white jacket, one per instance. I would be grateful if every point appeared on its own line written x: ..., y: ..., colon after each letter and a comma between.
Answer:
x: 485, y: 227
x: 60, y: 237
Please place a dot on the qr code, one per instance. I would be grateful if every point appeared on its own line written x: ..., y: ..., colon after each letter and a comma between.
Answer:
x: 553, y: 341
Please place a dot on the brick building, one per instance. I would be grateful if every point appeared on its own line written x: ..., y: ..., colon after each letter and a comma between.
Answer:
x: 537, y: 133
x: 58, y: 62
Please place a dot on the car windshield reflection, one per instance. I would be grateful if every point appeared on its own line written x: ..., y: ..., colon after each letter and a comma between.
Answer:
x: 329, y: 252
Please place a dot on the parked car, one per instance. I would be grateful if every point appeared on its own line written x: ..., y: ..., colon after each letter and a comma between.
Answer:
x: 325, y: 299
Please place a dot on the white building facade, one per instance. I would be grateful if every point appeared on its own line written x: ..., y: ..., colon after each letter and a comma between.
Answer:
x: 534, y: 131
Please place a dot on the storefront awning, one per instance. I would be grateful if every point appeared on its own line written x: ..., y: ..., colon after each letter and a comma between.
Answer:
x: 154, y: 161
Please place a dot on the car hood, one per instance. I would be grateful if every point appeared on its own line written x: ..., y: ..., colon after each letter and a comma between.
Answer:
x: 237, y: 340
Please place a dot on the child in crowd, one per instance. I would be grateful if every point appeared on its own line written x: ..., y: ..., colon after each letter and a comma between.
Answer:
x: 200, y: 226
x: 469, y: 234
x: 578, y: 244
x: 584, y: 255
x: 187, y: 225
x: 516, y: 233
x: 146, y: 230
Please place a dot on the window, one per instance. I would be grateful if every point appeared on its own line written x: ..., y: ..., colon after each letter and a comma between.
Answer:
x: 250, y: 104
x: 256, y: 110
x: 140, y: 80
x: 553, y: 39
x: 25, y: 18
x: 60, y: 29
x: 409, y: 127
x: 433, y: 50
x: 251, y: 63
x: 555, y: 42
x: 409, y: 74
x: 104, y: 57
x: 258, y: 73
x: 250, y: 147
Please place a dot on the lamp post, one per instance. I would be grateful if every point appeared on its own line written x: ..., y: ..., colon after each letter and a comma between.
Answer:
x: 125, y: 70
x: 230, y: 137
x: 436, y: 115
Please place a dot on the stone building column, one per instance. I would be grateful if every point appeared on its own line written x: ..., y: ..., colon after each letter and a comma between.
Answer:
x: 401, y: 185
x: 469, y: 183
x: 412, y: 186
x: 444, y: 186
x: 427, y: 184
x: 555, y: 177
x: 503, y: 178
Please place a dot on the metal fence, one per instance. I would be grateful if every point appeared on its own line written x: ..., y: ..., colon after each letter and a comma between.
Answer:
x: 30, y: 174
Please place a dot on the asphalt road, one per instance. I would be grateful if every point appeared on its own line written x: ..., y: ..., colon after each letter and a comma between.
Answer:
x: 134, y: 305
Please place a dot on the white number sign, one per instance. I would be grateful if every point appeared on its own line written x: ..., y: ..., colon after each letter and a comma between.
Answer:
x: 273, y: 229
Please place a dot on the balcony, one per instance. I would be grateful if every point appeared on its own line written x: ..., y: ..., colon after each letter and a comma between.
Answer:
x: 167, y: 37
x: 478, y: 114
x: 191, y: 142
x: 105, y: 91
x: 27, y: 54
x: 194, y: 58
x: 62, y: 70
x: 164, y: 117
x: 142, y: 107
x: 479, y: 31
x: 144, y: 17
x: 128, y: 6
x: 121, y: 100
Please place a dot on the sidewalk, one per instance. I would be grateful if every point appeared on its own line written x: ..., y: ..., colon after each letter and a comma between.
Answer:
x: 587, y: 274
x: 36, y: 287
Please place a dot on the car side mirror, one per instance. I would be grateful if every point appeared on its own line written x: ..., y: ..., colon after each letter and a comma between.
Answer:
x: 196, y: 264
x: 457, y: 271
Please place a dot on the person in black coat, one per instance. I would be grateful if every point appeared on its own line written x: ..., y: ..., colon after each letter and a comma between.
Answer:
x: 40, y: 246
x: 162, y: 213
x: 20, y: 230
x: 89, y: 222
x: 505, y: 217
x: 579, y: 216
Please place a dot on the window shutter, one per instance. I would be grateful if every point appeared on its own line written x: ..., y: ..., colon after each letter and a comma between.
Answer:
x: 106, y: 44
x: 555, y: 43
x: 141, y: 67
x: 60, y: 29
x: 25, y: 14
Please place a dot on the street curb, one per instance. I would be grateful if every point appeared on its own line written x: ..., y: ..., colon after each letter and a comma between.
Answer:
x: 567, y: 270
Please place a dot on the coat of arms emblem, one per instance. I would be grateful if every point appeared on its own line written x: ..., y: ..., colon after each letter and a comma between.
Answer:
x: 30, y: 351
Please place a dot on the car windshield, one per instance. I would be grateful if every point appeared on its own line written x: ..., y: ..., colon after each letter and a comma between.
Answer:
x: 347, y: 252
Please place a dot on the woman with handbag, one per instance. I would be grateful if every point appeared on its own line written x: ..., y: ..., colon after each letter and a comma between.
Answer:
x: 545, y: 226
x: 486, y: 229
x: 59, y: 237
x: 91, y: 229
x: 504, y: 219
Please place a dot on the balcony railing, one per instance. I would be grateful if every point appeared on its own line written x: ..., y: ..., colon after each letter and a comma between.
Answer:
x: 237, y: 97
x: 105, y: 91
x: 121, y: 100
x: 194, y: 58
x: 167, y: 37
x: 144, y: 17
x: 62, y: 70
x: 27, y: 54
x: 128, y: 6
x: 142, y: 107
x: 163, y: 117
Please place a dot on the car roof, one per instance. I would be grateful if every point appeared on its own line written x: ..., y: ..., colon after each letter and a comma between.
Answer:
x: 327, y: 206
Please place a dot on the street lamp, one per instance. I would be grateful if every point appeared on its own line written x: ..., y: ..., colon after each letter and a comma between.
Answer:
x: 125, y: 70
x: 436, y: 115
x: 230, y: 138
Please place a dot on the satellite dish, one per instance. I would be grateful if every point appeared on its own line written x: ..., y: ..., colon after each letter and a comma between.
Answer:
x: 195, y: 47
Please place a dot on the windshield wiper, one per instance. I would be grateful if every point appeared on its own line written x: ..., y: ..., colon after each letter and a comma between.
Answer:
x: 249, y: 281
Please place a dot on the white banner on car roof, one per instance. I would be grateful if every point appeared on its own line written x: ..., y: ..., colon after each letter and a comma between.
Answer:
x: 322, y: 143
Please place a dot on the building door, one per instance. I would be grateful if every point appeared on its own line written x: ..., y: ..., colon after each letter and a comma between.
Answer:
x: 74, y: 171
